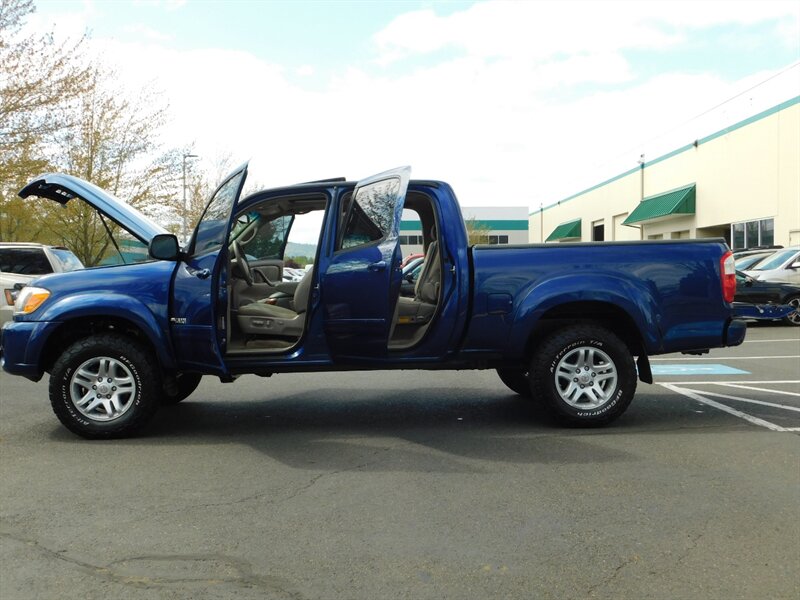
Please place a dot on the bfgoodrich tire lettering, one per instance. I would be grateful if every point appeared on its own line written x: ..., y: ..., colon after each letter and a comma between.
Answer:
x: 118, y: 363
x: 585, y: 375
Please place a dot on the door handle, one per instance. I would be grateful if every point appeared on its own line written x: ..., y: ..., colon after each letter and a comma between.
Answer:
x: 199, y: 273
x: 377, y: 266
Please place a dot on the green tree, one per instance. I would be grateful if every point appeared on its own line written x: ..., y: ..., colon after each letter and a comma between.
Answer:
x: 477, y: 232
x: 39, y: 82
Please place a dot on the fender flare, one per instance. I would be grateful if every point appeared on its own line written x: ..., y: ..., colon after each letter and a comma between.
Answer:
x: 631, y: 296
x: 119, y: 306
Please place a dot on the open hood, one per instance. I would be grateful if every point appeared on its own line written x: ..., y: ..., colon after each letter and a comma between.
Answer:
x: 63, y: 188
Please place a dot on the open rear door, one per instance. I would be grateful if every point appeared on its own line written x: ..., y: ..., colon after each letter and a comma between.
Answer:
x: 361, y: 286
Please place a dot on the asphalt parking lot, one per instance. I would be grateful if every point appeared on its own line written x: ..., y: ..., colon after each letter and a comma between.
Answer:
x: 416, y: 485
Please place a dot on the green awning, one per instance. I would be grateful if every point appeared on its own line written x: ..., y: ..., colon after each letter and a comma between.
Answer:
x: 568, y: 230
x: 668, y: 204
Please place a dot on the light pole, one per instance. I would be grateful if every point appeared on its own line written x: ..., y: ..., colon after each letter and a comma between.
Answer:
x: 185, y: 156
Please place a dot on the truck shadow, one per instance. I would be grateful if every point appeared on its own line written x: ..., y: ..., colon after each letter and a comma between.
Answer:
x: 440, y: 430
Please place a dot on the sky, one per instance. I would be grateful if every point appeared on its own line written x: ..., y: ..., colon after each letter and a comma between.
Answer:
x: 512, y: 103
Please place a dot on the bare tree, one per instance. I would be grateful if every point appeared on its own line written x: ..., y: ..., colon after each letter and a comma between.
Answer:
x: 110, y: 144
x: 39, y: 83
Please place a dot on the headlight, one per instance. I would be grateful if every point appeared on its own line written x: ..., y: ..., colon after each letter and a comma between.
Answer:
x: 29, y: 299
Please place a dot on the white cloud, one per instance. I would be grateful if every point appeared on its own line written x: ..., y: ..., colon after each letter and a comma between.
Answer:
x: 540, y: 30
x: 147, y: 33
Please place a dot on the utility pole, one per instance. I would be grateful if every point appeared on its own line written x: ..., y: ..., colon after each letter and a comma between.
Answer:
x: 185, y: 156
x: 641, y: 199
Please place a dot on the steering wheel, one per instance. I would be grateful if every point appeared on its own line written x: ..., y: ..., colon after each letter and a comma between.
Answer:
x: 241, y: 262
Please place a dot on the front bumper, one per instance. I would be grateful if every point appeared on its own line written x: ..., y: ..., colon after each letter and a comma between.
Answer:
x: 22, y: 345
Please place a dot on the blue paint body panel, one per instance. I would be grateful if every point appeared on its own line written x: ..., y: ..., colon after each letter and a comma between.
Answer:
x: 665, y: 295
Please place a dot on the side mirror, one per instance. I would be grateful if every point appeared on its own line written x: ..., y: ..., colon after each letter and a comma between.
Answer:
x: 795, y: 265
x: 164, y: 247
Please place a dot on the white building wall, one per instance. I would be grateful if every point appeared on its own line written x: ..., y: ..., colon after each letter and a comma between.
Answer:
x: 750, y: 171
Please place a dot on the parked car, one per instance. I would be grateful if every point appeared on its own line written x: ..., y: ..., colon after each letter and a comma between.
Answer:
x: 754, y: 291
x: 21, y: 262
x: 744, y: 251
x: 749, y: 260
x: 411, y: 274
x: 410, y: 258
x: 782, y: 266
x: 571, y: 326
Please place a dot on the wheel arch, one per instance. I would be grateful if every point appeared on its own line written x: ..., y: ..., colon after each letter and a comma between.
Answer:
x: 606, y: 314
x: 125, y: 316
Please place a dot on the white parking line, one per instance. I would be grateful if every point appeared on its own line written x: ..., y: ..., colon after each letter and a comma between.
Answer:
x: 796, y: 340
x: 722, y: 358
x: 737, y: 381
x: 724, y: 408
x: 748, y: 400
x: 760, y: 389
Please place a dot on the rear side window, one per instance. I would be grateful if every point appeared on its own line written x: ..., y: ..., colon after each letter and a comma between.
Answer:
x: 24, y: 261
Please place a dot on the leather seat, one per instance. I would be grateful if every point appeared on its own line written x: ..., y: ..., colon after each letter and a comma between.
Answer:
x: 421, y: 307
x: 268, y: 319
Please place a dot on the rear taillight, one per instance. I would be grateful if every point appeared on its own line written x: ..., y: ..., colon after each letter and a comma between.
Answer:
x: 727, y: 269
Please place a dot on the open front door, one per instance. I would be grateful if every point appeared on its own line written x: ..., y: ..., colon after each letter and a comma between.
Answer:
x: 361, y: 286
x: 199, y: 296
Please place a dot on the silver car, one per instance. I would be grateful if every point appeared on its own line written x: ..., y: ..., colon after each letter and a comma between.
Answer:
x: 783, y: 266
x: 22, y: 262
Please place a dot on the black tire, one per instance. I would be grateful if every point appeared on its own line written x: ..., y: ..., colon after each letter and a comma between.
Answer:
x: 127, y: 364
x: 793, y: 318
x: 180, y: 388
x: 595, y: 396
x: 516, y: 380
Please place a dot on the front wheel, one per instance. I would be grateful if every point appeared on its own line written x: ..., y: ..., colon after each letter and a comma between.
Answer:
x: 793, y: 318
x: 585, y: 375
x: 104, y: 386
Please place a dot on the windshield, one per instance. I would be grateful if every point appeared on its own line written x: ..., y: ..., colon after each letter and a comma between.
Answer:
x: 776, y: 261
x: 747, y: 262
x: 67, y: 260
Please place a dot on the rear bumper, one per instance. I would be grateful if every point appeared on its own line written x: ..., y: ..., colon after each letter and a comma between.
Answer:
x: 735, y: 332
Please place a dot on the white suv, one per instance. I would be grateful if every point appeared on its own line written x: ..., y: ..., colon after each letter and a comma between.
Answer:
x: 21, y: 262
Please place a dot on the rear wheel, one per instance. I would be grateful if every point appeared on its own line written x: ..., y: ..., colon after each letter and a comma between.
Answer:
x: 104, y: 386
x: 516, y: 380
x: 793, y: 318
x: 585, y: 375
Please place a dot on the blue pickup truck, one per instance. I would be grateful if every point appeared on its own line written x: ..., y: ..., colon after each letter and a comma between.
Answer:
x: 571, y: 325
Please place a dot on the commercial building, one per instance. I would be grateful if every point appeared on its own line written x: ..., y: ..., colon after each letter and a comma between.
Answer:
x: 486, y: 224
x: 741, y: 183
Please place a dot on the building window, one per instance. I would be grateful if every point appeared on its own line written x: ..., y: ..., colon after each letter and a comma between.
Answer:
x: 410, y: 240
x: 598, y: 231
x: 491, y: 239
x: 750, y: 234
